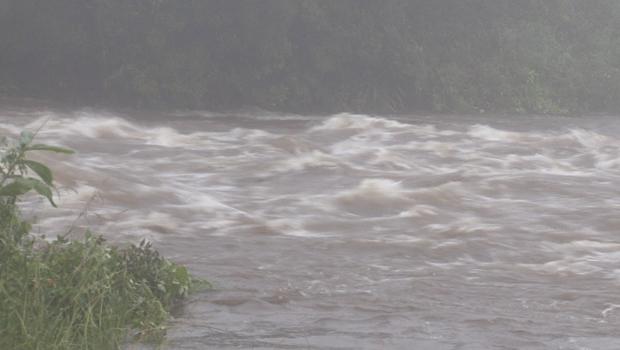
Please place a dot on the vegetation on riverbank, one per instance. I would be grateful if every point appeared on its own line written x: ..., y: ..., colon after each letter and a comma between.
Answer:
x: 531, y: 56
x: 71, y: 294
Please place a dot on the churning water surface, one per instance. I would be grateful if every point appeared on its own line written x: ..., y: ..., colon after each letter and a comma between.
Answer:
x: 355, y: 231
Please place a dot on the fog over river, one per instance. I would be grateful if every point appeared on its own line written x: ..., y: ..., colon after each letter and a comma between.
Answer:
x: 355, y: 231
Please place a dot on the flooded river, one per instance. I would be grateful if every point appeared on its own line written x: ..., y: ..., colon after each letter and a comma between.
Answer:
x: 355, y: 231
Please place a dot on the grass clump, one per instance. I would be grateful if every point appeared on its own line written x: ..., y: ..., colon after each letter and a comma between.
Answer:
x: 71, y: 294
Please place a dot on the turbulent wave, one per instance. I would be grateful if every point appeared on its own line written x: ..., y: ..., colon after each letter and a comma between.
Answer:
x: 436, y: 231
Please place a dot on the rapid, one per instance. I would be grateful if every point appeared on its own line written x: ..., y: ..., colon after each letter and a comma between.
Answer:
x: 354, y: 231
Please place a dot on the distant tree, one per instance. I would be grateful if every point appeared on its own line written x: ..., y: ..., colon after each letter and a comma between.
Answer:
x: 385, y: 56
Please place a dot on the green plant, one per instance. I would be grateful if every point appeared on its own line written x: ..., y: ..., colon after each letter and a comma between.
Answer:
x: 14, y: 166
x: 14, y: 182
x: 71, y: 294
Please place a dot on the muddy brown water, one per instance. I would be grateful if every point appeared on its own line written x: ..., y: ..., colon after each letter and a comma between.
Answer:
x: 355, y: 231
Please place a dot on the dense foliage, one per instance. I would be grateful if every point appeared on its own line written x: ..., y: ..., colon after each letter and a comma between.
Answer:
x: 71, y: 294
x: 534, y: 56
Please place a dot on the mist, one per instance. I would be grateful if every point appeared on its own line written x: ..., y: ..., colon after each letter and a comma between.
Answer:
x: 316, y: 56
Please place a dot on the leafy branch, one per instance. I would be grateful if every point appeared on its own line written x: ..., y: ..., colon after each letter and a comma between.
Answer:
x: 14, y: 169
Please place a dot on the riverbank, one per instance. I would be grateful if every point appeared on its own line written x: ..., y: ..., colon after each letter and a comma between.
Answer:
x: 69, y: 293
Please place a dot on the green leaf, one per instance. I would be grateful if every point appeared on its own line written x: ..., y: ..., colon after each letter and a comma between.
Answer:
x: 56, y: 149
x: 42, y: 170
x: 23, y: 185
x: 26, y: 137
x: 45, y: 191
x: 18, y: 187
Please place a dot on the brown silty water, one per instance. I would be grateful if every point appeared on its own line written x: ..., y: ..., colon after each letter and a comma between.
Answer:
x: 353, y: 231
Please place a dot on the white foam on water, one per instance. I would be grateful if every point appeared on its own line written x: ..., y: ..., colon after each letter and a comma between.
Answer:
x: 168, y: 137
x: 409, y: 239
x: 356, y: 121
x: 314, y: 159
x: 103, y: 126
x: 604, y: 149
x: 390, y: 226
x: 592, y: 140
x: 374, y: 189
x: 90, y: 126
x: 292, y: 227
x: 374, y: 197
x: 489, y: 133
x: 463, y: 226
x: 420, y: 211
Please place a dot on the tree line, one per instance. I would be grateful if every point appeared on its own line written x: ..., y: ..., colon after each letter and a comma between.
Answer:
x: 316, y: 56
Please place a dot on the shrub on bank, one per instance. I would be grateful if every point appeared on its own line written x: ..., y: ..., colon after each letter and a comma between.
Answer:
x: 71, y: 294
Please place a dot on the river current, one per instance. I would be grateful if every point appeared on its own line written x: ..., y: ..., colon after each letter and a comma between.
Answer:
x: 354, y: 231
